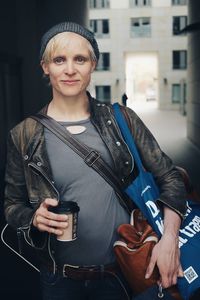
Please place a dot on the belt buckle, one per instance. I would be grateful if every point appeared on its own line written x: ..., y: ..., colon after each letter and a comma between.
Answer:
x: 66, y: 266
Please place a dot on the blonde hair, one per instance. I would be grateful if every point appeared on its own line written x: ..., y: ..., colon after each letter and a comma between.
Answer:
x: 60, y: 41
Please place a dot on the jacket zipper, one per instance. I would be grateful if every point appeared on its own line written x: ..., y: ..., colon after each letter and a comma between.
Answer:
x: 32, y: 165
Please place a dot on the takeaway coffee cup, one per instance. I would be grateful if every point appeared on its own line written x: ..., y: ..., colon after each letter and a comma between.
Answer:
x: 71, y: 209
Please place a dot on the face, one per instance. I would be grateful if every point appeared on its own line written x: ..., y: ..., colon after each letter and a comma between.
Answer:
x: 70, y: 67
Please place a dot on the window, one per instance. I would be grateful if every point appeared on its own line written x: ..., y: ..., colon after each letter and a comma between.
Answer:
x: 140, y: 27
x: 104, y: 62
x: 178, y: 24
x: 179, y: 59
x: 99, y: 3
x: 100, y: 27
x: 179, y: 2
x: 134, y: 3
x: 176, y: 93
x: 103, y: 93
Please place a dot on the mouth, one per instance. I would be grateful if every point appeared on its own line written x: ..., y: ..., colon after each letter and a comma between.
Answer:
x: 70, y: 82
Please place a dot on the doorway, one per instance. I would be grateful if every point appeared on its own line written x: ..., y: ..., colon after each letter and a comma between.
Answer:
x: 141, y: 78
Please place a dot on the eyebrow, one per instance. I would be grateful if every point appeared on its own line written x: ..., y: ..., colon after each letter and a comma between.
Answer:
x: 76, y: 54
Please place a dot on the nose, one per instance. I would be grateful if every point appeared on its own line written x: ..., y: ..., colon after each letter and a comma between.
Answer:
x: 69, y: 67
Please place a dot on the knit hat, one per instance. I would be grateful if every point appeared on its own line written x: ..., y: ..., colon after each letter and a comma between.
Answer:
x: 69, y: 27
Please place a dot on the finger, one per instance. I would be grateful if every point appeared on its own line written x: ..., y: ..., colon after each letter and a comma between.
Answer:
x: 57, y: 217
x: 55, y: 231
x: 174, y: 279
x: 35, y: 219
x: 180, y: 271
x: 43, y: 211
x: 49, y: 202
x: 166, y: 281
x: 51, y: 223
x: 150, y: 268
x: 159, y: 281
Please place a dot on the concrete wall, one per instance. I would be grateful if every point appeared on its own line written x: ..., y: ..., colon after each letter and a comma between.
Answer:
x: 193, y: 120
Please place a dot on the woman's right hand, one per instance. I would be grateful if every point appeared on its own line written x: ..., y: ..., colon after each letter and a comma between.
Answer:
x: 45, y: 220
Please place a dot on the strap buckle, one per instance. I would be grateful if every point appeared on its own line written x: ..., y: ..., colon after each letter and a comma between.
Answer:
x: 91, y: 158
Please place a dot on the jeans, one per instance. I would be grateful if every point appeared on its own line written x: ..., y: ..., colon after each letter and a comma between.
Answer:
x: 56, y: 287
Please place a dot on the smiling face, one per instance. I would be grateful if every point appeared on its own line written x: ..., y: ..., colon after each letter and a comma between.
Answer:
x: 68, y: 61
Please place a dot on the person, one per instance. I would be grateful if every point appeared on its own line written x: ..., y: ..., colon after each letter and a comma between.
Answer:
x: 42, y: 171
x: 124, y: 99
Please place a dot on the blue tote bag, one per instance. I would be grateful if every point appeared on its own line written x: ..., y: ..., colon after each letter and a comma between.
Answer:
x: 144, y: 193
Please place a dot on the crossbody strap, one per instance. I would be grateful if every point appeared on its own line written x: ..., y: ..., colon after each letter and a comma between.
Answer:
x: 91, y: 157
x: 127, y: 135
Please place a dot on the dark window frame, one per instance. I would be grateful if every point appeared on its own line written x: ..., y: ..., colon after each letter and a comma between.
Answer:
x: 176, y: 85
x: 176, y: 60
x: 95, y: 26
x: 140, y: 3
x: 176, y: 24
x: 104, y: 62
x: 106, y: 94
x: 179, y: 2
x: 99, y: 4
x: 141, y: 23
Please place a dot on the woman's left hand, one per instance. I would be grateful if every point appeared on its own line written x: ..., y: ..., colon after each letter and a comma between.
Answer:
x: 166, y: 255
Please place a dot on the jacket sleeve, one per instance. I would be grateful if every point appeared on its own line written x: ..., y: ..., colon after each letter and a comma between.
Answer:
x: 18, y: 211
x: 168, y: 178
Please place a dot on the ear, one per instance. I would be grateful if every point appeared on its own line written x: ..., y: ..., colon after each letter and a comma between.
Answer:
x: 45, y: 67
x: 94, y: 64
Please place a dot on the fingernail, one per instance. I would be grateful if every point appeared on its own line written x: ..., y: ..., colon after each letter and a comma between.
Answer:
x: 146, y: 276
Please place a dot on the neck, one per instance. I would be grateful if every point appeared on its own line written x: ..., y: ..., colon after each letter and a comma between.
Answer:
x: 69, y: 109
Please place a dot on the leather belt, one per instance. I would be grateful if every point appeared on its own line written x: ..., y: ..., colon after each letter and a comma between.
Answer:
x: 88, y: 272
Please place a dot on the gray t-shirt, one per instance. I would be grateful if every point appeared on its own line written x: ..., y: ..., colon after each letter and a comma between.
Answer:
x: 100, y: 212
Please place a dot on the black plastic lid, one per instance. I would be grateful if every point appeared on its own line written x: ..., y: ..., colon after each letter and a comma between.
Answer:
x: 67, y: 206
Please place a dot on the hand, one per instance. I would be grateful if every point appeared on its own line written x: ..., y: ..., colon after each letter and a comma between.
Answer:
x: 45, y: 220
x: 166, y: 255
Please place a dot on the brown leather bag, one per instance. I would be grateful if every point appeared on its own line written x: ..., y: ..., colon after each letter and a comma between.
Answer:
x: 133, y: 252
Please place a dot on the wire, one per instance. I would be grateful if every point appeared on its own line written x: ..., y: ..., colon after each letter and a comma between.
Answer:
x: 13, y: 250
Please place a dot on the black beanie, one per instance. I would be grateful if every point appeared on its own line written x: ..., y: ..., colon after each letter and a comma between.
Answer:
x: 69, y: 27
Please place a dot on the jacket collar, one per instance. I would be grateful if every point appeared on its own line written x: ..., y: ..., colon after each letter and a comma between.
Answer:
x: 103, y: 119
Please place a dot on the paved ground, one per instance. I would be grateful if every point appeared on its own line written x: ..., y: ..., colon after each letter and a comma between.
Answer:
x: 169, y: 128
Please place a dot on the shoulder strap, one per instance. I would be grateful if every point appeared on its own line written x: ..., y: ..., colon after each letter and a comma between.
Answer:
x: 126, y: 133
x: 91, y: 157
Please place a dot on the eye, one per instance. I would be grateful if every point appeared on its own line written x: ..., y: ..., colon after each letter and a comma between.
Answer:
x: 81, y: 59
x: 59, y: 60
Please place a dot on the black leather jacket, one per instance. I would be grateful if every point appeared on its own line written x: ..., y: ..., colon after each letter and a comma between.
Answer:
x: 29, y: 177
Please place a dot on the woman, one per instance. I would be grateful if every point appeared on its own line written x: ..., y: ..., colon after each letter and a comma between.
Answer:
x: 41, y: 170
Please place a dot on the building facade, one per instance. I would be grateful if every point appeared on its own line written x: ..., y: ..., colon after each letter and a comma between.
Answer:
x: 143, y: 53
